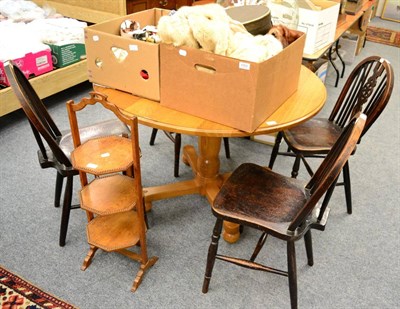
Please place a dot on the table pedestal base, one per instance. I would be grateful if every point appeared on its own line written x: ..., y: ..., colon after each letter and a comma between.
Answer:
x: 207, y: 181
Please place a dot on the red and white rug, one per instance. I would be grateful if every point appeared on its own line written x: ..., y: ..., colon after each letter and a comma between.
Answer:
x: 17, y: 293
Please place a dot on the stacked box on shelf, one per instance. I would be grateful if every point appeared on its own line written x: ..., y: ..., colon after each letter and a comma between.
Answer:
x: 319, y: 67
x: 31, y: 64
x: 318, y: 19
x: 67, y: 54
x: 64, y: 36
x: 348, y: 46
x: 354, y: 6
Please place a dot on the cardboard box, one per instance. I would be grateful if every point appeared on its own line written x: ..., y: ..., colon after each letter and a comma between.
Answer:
x: 236, y: 93
x: 365, y: 19
x: 353, y: 6
x: 63, y: 55
x: 31, y: 64
x: 124, y: 63
x: 354, y: 30
x: 319, y: 25
x: 322, y: 69
x: 348, y: 47
x: 373, y: 9
x: 360, y: 43
x: 319, y: 67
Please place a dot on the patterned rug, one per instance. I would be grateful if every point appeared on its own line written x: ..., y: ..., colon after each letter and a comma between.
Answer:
x: 17, y: 293
x: 383, y: 36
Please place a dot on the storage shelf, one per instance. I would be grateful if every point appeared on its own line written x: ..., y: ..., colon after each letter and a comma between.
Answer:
x: 63, y: 78
x: 46, y: 85
x: 89, y: 11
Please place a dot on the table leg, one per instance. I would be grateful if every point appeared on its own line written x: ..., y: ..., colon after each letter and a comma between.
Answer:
x: 207, y: 170
x: 205, y: 165
x: 207, y: 179
x: 333, y: 66
x: 231, y: 232
x: 340, y: 58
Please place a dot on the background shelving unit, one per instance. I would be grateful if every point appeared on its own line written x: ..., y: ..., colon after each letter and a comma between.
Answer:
x: 91, y: 12
x: 63, y: 78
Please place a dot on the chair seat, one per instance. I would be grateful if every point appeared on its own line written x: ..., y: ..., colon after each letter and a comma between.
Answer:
x: 260, y: 197
x: 104, y: 128
x: 314, y: 136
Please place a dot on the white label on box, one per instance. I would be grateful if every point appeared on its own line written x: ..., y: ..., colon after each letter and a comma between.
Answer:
x: 182, y: 52
x: 42, y: 60
x: 133, y: 47
x: 244, y: 66
x: 95, y: 38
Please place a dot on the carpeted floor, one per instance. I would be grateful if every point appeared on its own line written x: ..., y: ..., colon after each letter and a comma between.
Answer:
x: 356, y: 257
x: 17, y: 293
x: 383, y: 36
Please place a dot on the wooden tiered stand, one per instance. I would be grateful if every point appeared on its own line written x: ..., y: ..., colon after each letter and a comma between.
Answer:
x: 113, y: 200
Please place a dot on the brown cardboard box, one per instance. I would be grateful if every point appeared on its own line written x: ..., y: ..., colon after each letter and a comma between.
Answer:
x: 353, y: 6
x: 374, y: 8
x: 360, y: 43
x: 354, y: 30
x: 103, y: 46
x: 365, y: 19
x: 232, y: 92
x: 348, y: 46
x: 319, y: 67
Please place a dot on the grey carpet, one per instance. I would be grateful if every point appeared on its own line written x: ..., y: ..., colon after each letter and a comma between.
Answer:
x: 356, y: 258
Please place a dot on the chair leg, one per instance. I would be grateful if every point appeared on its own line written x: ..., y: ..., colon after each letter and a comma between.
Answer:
x: 296, y: 166
x: 291, y: 259
x: 347, y: 187
x: 178, y: 142
x: 66, y: 210
x: 259, y: 246
x: 212, y: 253
x: 275, y: 150
x: 309, y: 250
x: 59, y: 184
x: 153, y: 136
x: 326, y: 200
x: 177, y: 148
x: 307, y: 166
x: 227, y: 149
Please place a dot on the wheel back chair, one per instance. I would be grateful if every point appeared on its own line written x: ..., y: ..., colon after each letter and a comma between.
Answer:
x: 176, y: 138
x: 367, y: 89
x: 113, y: 201
x: 54, y: 146
x: 256, y: 197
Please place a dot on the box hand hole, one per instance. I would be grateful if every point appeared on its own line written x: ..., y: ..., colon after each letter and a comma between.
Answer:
x: 205, y: 68
x: 119, y: 54
x: 98, y: 62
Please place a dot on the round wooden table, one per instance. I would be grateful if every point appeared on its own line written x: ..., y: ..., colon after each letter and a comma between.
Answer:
x: 302, y: 105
